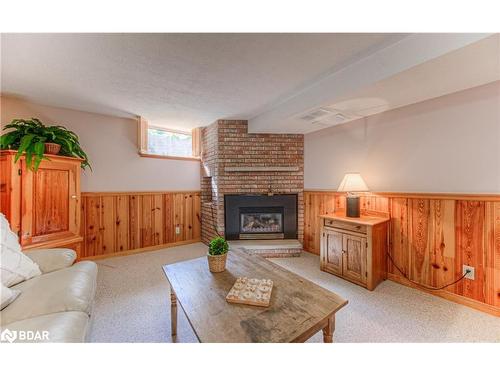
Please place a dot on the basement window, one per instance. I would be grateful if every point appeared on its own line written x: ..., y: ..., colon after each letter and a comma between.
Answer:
x: 158, y: 142
x: 169, y: 143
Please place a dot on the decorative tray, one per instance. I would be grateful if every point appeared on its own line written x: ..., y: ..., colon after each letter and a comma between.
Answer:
x: 255, y: 292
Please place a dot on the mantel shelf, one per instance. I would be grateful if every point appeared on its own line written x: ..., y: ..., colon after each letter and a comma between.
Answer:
x: 262, y: 169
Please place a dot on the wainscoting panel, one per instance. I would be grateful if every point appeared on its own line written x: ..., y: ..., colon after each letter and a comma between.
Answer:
x: 315, y: 205
x: 398, y: 210
x: 431, y: 237
x: 113, y: 223
x: 470, y: 239
x: 492, y: 258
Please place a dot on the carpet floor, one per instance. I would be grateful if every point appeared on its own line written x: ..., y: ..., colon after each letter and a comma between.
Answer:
x: 132, y: 305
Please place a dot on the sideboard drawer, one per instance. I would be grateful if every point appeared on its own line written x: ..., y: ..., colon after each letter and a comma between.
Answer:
x: 358, y: 228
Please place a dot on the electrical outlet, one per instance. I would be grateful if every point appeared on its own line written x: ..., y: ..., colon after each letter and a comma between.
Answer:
x: 177, y: 230
x: 466, y: 268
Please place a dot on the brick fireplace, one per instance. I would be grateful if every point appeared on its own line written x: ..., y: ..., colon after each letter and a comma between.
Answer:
x: 236, y: 163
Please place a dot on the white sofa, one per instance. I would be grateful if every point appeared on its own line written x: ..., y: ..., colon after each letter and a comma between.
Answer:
x: 59, y: 301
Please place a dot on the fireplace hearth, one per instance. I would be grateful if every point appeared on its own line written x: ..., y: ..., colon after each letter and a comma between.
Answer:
x: 260, y: 216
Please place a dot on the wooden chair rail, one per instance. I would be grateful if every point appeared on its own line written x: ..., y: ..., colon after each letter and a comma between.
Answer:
x: 491, y: 197
x: 148, y: 192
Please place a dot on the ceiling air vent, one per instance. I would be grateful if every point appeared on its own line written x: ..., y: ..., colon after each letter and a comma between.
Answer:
x: 336, y: 118
x: 326, y: 116
x: 315, y: 115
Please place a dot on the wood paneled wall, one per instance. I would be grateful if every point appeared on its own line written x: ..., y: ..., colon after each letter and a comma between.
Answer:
x: 118, y: 222
x: 431, y: 238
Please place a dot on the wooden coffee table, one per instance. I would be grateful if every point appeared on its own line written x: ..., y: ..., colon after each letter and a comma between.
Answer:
x: 298, y: 310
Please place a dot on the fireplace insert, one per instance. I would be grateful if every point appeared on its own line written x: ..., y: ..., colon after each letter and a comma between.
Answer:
x: 260, y: 216
x: 255, y: 221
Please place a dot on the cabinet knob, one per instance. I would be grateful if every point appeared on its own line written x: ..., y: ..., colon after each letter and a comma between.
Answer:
x: 73, y: 197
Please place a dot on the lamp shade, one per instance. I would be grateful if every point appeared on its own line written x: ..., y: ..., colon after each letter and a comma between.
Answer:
x: 353, y: 182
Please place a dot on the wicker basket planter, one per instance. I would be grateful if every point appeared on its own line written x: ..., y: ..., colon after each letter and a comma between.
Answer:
x: 217, y: 263
x: 52, y: 148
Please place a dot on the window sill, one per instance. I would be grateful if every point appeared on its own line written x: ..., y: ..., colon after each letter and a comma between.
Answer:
x: 154, y: 156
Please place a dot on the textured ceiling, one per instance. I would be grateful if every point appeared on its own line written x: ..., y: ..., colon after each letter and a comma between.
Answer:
x: 175, y: 80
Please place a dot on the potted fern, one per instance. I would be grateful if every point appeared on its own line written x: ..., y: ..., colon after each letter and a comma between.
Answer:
x: 217, y: 254
x: 34, y: 139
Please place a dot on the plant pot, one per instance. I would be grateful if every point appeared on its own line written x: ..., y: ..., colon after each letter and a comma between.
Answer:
x: 52, y: 148
x: 217, y: 263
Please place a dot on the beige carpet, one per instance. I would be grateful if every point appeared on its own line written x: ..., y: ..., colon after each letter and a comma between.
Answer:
x: 132, y: 305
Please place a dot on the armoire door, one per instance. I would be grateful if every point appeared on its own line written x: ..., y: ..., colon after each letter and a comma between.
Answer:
x: 354, y: 262
x: 333, y: 255
x: 50, y: 201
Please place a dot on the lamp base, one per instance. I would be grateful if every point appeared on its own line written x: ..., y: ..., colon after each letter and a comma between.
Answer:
x: 352, y: 207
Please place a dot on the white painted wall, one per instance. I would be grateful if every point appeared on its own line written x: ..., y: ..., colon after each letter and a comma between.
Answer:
x: 447, y: 144
x: 111, y: 144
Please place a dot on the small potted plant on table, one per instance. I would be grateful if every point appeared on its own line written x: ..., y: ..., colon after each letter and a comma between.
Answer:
x: 217, y: 254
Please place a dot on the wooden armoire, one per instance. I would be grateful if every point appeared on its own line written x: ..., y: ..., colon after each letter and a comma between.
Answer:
x: 42, y: 207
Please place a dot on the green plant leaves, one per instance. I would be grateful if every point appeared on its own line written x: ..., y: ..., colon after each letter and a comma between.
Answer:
x: 52, y: 135
x: 39, y: 149
x: 218, y: 246
x: 29, y: 158
x: 29, y: 137
x: 25, y: 145
x: 7, y: 139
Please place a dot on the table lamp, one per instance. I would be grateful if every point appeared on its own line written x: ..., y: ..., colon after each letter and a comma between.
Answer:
x: 352, y: 182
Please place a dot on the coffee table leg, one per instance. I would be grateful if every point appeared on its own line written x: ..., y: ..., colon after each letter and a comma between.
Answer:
x: 173, y: 312
x: 328, y: 330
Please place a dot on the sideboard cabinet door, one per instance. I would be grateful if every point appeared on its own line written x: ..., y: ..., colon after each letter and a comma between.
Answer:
x: 354, y: 264
x: 50, y: 201
x: 332, y: 256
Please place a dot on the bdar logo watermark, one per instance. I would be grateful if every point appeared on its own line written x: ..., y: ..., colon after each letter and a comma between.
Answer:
x: 8, y: 335
x: 23, y: 336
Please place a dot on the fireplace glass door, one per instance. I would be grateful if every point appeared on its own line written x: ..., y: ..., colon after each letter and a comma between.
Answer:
x: 261, y: 224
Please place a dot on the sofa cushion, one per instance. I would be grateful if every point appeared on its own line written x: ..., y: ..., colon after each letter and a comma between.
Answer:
x: 14, y: 265
x: 68, y: 326
x: 52, y: 259
x: 7, y: 236
x: 68, y: 289
x: 7, y: 296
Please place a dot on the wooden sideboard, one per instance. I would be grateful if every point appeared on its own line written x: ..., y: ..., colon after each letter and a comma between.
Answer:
x: 354, y: 248
x: 43, y: 207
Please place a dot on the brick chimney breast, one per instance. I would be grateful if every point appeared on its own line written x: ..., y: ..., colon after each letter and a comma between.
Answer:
x: 227, y: 143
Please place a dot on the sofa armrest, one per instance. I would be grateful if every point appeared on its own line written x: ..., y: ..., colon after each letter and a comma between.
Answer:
x: 52, y: 259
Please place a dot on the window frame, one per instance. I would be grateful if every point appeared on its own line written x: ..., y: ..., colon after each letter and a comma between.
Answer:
x: 143, y: 128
